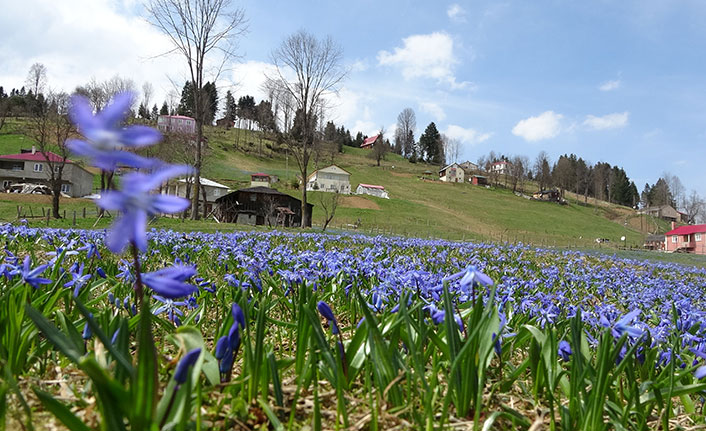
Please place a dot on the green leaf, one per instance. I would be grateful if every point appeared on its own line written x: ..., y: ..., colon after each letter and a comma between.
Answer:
x: 59, y: 340
x: 60, y: 411
x: 144, y: 384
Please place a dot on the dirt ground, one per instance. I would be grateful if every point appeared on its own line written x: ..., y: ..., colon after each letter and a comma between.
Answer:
x: 358, y: 202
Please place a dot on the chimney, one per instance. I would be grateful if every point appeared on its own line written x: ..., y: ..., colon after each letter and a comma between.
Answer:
x: 34, y: 149
x: 674, y: 225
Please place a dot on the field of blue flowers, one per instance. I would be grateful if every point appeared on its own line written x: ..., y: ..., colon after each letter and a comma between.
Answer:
x: 132, y: 329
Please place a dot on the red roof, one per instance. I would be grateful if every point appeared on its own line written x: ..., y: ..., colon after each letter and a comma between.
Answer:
x: 687, y: 230
x: 370, y: 141
x: 181, y: 117
x: 370, y: 186
x: 260, y: 174
x: 36, y: 157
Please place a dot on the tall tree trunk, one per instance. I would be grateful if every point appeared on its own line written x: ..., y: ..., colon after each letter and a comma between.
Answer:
x: 197, y: 166
x: 56, y: 190
x: 306, y: 217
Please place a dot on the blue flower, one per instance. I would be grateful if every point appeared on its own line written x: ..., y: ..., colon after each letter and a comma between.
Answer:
x: 186, y: 362
x: 564, y: 350
x: 107, y: 137
x: 31, y: 276
x: 624, y: 325
x: 327, y: 313
x: 170, y: 282
x: 136, y: 204
x: 78, y: 280
x: 170, y: 306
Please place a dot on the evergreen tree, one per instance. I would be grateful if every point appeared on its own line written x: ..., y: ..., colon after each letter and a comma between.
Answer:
x: 143, y: 113
x: 231, y: 108
x: 430, y: 143
x: 155, y: 112
x: 186, y: 103
x: 211, y: 101
x: 358, y: 140
x: 246, y: 108
x: 165, y: 109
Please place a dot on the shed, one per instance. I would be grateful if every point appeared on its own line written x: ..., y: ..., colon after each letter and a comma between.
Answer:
x: 260, y: 180
x: 260, y: 206
x: 479, y: 180
x: 372, y: 190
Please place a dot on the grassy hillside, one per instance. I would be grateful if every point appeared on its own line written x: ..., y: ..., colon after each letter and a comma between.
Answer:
x: 424, y: 208
x: 417, y: 207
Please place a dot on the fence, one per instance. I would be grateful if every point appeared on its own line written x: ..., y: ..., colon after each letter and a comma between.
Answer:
x: 26, y: 212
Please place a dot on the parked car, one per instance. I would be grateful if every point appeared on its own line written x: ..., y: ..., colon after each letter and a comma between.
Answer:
x: 31, y: 189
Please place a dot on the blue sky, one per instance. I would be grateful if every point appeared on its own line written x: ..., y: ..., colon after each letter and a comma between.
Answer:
x: 616, y: 81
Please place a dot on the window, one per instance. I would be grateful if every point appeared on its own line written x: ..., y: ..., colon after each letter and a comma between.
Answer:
x: 697, y: 237
x: 66, y: 188
x: 38, y: 167
x: 674, y: 239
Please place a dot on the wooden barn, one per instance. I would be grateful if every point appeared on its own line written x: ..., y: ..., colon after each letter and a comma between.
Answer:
x: 260, y: 206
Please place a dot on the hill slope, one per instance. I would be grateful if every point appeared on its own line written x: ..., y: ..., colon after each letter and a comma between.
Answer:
x: 422, y: 208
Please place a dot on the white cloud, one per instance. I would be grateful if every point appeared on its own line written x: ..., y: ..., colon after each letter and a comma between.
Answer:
x: 249, y: 78
x: 456, y: 13
x: 425, y: 56
x: 544, y: 126
x: 433, y: 109
x: 610, y: 85
x: 610, y: 121
x: 467, y: 136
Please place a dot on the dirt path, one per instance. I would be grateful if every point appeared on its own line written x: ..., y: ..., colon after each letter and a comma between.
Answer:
x: 358, y: 202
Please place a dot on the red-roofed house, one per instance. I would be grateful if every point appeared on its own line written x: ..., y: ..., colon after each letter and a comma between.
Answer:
x: 372, y: 190
x: 31, y: 167
x: 176, y: 124
x: 370, y: 142
x: 689, y: 239
x: 260, y: 180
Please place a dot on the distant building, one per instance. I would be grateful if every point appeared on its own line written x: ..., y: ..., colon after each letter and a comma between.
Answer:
x: 330, y: 179
x: 31, y: 167
x: 212, y: 189
x: 372, y: 190
x: 665, y: 212
x: 176, y: 124
x: 502, y: 167
x: 654, y: 242
x: 452, y: 173
x: 469, y: 168
x: 260, y: 180
x: 371, y: 141
x: 547, y: 195
x: 687, y: 239
x: 260, y: 206
x: 479, y: 180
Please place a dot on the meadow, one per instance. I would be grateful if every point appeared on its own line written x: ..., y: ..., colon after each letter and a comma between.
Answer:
x: 344, y: 332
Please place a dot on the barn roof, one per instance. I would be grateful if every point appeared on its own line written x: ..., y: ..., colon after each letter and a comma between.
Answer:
x: 371, y: 186
x: 36, y: 157
x: 370, y: 141
x: 687, y: 230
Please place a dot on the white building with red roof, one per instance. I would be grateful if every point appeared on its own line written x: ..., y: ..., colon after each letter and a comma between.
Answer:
x: 688, y: 239
x: 372, y: 190
x: 31, y: 167
x: 330, y: 179
x: 176, y: 124
x: 370, y: 142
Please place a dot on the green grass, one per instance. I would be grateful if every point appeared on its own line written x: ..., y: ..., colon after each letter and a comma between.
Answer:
x: 423, y: 208
x: 416, y: 208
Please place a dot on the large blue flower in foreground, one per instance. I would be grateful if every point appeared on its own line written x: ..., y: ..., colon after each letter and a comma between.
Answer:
x: 31, y: 276
x: 171, y: 282
x: 106, y: 136
x: 136, y: 204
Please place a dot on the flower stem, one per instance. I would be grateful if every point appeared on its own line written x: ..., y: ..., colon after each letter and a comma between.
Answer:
x: 139, y: 287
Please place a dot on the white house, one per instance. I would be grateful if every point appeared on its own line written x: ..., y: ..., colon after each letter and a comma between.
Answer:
x: 452, y: 173
x: 176, y: 124
x: 372, y: 190
x: 212, y: 189
x: 502, y: 167
x: 330, y: 179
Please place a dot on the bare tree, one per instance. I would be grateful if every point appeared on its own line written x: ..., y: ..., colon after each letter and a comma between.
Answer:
x: 94, y: 92
x: 404, y: 134
x: 380, y: 148
x: 328, y: 203
x: 542, y: 173
x: 50, y: 127
x: 147, y: 91
x: 37, y: 78
x: 518, y: 171
x: 197, y: 28
x: 315, y: 66
x: 694, y: 206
